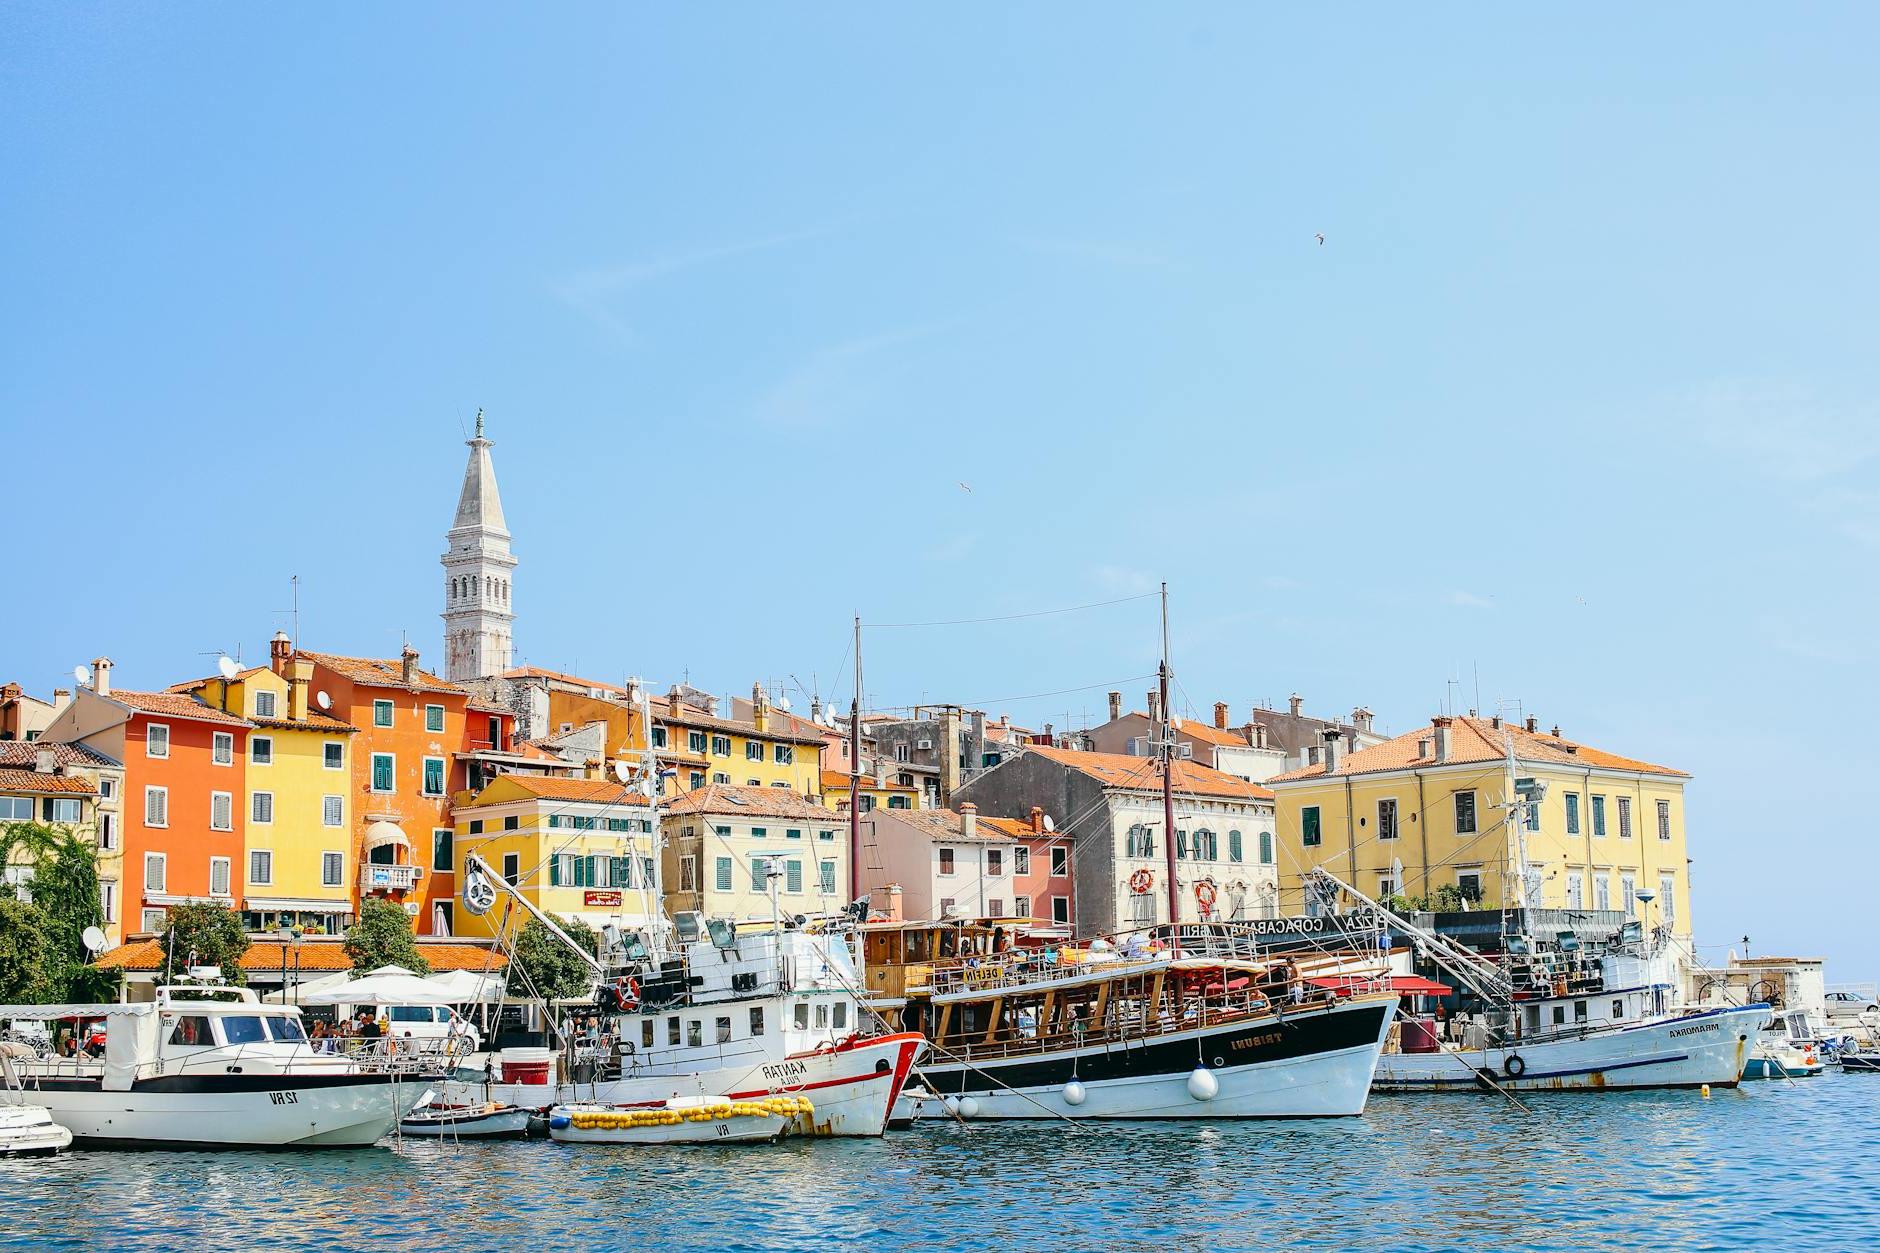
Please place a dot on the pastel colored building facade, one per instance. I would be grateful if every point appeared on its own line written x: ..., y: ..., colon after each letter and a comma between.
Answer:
x: 721, y: 842
x: 1435, y: 802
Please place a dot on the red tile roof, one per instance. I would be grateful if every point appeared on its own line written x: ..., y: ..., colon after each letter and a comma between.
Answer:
x: 700, y: 720
x: 836, y: 781
x: 591, y: 791
x: 536, y: 672
x: 1206, y: 732
x: 1475, y: 740
x: 756, y: 802
x: 382, y: 672
x: 26, y: 753
x: 174, y: 705
x: 1144, y: 774
x: 321, y: 955
x: 946, y: 824
x: 13, y: 779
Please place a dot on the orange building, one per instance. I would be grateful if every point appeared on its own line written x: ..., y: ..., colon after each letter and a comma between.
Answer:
x: 184, y: 780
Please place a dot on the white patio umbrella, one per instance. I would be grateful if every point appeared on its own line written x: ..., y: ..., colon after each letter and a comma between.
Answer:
x: 307, y: 987
x: 388, y: 985
x: 467, y: 985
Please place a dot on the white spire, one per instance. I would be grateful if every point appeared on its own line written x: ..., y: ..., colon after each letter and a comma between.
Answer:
x: 478, y: 617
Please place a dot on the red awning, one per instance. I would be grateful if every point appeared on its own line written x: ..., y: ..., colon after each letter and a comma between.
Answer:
x: 1402, y: 985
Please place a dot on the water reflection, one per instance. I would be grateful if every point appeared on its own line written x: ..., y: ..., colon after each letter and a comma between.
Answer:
x: 1440, y: 1172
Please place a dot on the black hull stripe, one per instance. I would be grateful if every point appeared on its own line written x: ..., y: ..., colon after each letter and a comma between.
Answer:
x: 1239, y: 1045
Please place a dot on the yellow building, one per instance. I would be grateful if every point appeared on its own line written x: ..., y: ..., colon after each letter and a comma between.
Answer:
x: 66, y: 786
x: 297, y: 814
x: 576, y: 848
x: 765, y: 752
x: 877, y: 791
x: 721, y: 843
x: 1426, y: 816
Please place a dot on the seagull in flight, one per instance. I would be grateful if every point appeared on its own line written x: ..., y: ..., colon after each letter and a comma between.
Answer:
x: 965, y: 488
x: 1320, y: 236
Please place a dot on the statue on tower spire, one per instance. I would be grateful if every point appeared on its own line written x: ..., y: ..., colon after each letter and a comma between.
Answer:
x: 479, y: 421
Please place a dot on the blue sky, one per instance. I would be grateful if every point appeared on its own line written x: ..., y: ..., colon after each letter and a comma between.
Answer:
x: 1576, y: 401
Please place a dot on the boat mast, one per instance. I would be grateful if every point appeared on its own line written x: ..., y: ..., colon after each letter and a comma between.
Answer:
x: 855, y: 771
x: 1168, y: 788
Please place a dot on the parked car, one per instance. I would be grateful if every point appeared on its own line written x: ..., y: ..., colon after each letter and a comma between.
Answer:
x: 428, y: 1022
x: 1843, y: 1006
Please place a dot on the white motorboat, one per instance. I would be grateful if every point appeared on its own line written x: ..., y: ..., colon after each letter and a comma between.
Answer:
x: 488, y: 1121
x: 1786, y: 1048
x: 213, y: 1067
x: 26, y: 1129
x: 698, y: 1120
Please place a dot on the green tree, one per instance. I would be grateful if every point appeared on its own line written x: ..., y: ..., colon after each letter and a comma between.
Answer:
x: 543, y: 966
x: 382, y: 937
x: 65, y: 888
x: 204, y: 934
x: 27, y: 959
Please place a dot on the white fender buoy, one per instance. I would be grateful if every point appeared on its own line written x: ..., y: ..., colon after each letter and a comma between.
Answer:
x: 969, y: 1107
x: 1202, y: 1085
x: 952, y: 1104
x: 1074, y: 1093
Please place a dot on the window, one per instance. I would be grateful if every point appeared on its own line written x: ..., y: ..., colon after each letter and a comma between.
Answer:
x: 476, y: 826
x: 222, y: 748
x: 433, y: 776
x: 760, y: 870
x: 802, y: 1016
x: 1234, y: 851
x: 946, y: 906
x: 219, y: 868
x: 1664, y: 820
x: 64, y: 809
x: 995, y: 862
x: 260, y: 866
x: 688, y: 874
x: 828, y: 877
x: 723, y: 1025
x: 757, y: 1020
x: 901, y: 753
x: 946, y: 861
x: 793, y: 876
x: 1576, y: 891
x: 721, y: 875
x: 381, y: 713
x: 1599, y: 815
x: 696, y: 741
x: 1667, y: 897
x: 512, y: 868
x: 261, y: 807
x: 157, y: 740
x: 1573, y: 813
x: 1021, y: 906
x: 156, y: 872
x: 107, y: 831
x: 1628, y: 886
x: 1309, y: 831
x: 753, y: 750
x: 1625, y: 817
x: 512, y: 823
x: 826, y: 835
x: 156, y: 806
x: 332, y: 869
x: 1387, y: 820
x: 1060, y: 861
x: 221, y: 811
x: 384, y: 771
x: 672, y: 1030
x: 1465, y: 813
x: 433, y: 717
x: 900, y: 802
x: 17, y: 808
x: 333, y: 755
x: 757, y: 833
x: 191, y: 1031
x: 261, y: 750
x: 695, y: 1033
x: 264, y: 704
x: 1207, y: 845
x: 332, y: 811
x: 1469, y: 886
x: 442, y: 839
x: 1602, y: 890
x: 784, y: 754
x: 646, y: 1033
x: 1061, y: 910
x: 151, y: 920
x: 995, y: 907
x: 659, y: 737
x: 791, y: 834
x: 1140, y: 842
x: 695, y: 779
x: 1021, y: 860
x: 107, y: 787
x: 107, y: 900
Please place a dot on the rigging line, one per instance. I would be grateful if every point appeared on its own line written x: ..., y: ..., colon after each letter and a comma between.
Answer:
x: 1012, y: 617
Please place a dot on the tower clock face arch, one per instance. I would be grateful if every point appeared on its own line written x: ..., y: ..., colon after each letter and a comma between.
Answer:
x: 479, y: 572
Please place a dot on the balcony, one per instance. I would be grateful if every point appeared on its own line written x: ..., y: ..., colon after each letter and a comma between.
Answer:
x: 375, y: 877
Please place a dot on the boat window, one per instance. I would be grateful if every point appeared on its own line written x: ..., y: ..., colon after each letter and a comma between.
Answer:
x: 672, y: 1030
x: 802, y: 1016
x: 1618, y: 1009
x: 822, y: 1015
x: 724, y: 1031
x: 1579, y: 1011
x: 243, y: 1029
x: 286, y: 1029
x: 757, y: 1020
x: 192, y: 1031
x: 842, y: 1014
x: 695, y: 1033
x: 646, y: 1033
x: 410, y: 1013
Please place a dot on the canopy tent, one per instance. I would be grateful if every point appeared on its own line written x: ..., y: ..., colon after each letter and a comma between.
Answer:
x: 388, y: 985
x: 467, y: 985
x: 298, y: 993
x: 1402, y: 985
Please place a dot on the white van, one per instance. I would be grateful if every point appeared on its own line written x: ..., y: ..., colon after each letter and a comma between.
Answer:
x: 427, y: 1022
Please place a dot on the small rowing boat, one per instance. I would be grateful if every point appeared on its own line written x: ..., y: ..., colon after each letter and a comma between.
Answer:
x: 488, y: 1121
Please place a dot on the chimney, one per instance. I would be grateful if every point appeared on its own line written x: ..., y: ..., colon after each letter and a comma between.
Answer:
x: 1220, y: 715
x: 1532, y: 723
x: 408, y: 665
x: 1296, y: 702
x: 815, y: 709
x: 1439, y: 747
x: 1259, y: 735
x: 1556, y: 731
x: 1424, y: 744
x: 61, y: 697
x: 1334, y: 741
x: 1116, y: 706
x: 886, y: 901
x: 1495, y: 722
x: 1037, y: 819
x: 101, y: 675
x: 45, y: 761
x: 1361, y: 719
x: 969, y: 820
x: 760, y: 708
x: 300, y: 679
x: 881, y: 772
x: 280, y: 648
x: 1155, y: 707
x: 672, y: 703
x: 1047, y: 736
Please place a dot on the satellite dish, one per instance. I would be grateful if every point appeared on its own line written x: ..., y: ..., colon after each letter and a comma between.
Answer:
x: 645, y: 788
x: 1175, y: 724
x: 1049, y: 825
x: 783, y: 703
x: 323, y: 700
x: 226, y: 665
x: 82, y: 674
x: 623, y: 771
x: 95, y: 941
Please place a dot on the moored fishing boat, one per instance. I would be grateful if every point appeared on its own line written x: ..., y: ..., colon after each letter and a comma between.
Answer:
x: 696, y: 1120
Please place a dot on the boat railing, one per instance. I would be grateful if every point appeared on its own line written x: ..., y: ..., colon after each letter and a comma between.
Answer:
x: 1127, y: 1028
x: 396, y: 1056
x: 1021, y: 968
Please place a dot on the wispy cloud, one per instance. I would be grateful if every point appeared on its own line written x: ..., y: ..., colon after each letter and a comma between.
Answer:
x: 830, y: 385
x: 1469, y: 600
x: 592, y: 291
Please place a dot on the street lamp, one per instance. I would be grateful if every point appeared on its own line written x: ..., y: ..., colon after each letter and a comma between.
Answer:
x: 289, y: 935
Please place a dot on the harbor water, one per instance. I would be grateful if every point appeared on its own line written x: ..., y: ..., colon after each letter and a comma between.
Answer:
x: 1795, y: 1164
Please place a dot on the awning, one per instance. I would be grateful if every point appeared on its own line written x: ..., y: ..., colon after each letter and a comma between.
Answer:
x: 1402, y: 985
x: 382, y: 833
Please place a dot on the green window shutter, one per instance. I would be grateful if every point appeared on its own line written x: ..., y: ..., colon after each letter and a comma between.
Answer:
x: 1266, y: 848
x: 1309, y: 824
x: 829, y: 877
x: 381, y: 773
x: 622, y: 872
x: 793, y: 876
x: 722, y: 875
x: 554, y: 872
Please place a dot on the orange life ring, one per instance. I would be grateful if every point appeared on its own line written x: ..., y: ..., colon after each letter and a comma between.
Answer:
x: 1141, y: 881
x: 628, y: 991
x: 1205, y: 893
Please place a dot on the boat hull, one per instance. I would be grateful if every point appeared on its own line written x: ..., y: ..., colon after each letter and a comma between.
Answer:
x: 853, y: 1086
x: 29, y: 1131
x: 1695, y: 1050
x: 502, y: 1124
x: 233, y: 1111
x: 1313, y: 1063
x: 1860, y: 1063
x: 745, y: 1129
